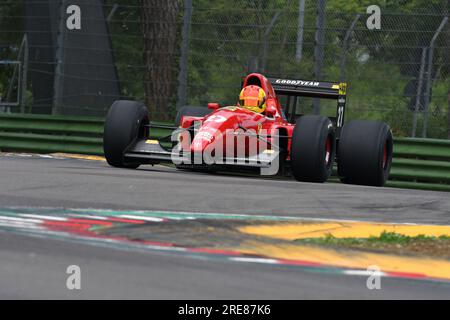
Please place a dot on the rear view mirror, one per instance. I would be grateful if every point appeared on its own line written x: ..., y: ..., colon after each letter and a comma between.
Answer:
x: 213, y: 105
x: 271, y: 111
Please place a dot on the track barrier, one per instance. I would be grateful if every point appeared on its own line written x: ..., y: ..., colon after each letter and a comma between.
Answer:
x: 417, y: 163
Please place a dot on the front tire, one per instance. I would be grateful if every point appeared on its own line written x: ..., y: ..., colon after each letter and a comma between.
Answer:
x: 313, y: 149
x: 365, y: 153
x: 124, y: 124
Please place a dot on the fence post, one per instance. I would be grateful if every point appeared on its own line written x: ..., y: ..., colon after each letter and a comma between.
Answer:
x: 18, y: 73
x: 318, y: 49
x: 345, y: 47
x: 430, y: 69
x: 448, y: 114
x: 182, y: 76
x: 419, y: 91
x: 112, y: 12
x: 23, y: 98
x: 301, y: 22
x: 59, y: 70
x: 266, y: 39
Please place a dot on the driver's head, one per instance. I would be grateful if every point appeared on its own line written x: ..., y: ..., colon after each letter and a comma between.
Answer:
x: 253, y: 98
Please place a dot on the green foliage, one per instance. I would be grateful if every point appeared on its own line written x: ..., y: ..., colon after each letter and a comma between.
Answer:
x: 11, y: 22
x: 126, y: 37
x: 227, y: 42
x: 10, y: 37
x: 384, y: 238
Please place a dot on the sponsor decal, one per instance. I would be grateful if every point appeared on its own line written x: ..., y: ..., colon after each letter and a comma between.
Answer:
x: 231, y: 147
x: 216, y: 118
x: 205, y: 135
x: 342, y: 88
x: 298, y: 82
x: 258, y: 131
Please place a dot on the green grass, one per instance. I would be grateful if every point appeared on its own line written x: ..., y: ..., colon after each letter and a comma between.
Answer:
x: 384, y: 238
x: 389, y: 242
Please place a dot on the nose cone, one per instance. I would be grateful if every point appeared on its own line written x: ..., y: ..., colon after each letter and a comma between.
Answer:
x: 214, y: 128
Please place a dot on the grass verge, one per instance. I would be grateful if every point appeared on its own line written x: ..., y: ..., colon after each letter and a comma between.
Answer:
x: 389, y: 242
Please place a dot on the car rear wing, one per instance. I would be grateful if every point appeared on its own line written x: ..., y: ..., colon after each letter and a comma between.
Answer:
x: 315, y: 89
x: 306, y: 88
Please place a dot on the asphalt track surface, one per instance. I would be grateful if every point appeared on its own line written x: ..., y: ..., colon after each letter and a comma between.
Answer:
x: 33, y: 268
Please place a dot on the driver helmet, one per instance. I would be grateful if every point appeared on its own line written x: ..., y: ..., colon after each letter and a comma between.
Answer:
x: 253, y: 98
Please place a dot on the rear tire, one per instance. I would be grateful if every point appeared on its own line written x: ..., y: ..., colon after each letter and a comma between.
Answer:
x: 191, y: 111
x: 365, y: 153
x: 123, y: 125
x: 313, y: 149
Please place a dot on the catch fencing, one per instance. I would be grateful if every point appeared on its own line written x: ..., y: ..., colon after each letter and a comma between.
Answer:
x: 399, y: 73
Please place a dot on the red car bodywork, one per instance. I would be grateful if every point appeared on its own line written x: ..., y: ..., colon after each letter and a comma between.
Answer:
x: 216, y: 138
x: 237, y: 118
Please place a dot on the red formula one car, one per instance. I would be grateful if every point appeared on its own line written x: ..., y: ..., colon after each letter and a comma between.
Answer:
x: 277, y: 141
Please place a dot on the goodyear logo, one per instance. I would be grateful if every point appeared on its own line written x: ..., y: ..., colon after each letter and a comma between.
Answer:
x: 298, y: 82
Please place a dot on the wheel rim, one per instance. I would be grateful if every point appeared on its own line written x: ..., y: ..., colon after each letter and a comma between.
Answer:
x: 327, y: 151
x: 385, y: 156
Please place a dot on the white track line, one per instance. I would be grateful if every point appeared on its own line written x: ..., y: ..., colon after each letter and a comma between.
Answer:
x: 15, y: 224
x: 6, y: 218
x: 87, y: 216
x: 258, y: 260
x: 367, y: 273
x: 206, y: 214
x: 38, y: 216
x: 153, y: 219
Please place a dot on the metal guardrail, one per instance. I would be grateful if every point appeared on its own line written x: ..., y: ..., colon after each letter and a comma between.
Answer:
x: 46, y: 134
x: 417, y: 163
x: 421, y: 164
x: 51, y: 124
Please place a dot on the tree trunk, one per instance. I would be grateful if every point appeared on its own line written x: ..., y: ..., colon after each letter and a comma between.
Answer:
x: 159, y: 30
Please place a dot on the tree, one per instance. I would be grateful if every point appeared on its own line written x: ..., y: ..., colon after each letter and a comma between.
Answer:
x: 11, y: 12
x: 159, y: 29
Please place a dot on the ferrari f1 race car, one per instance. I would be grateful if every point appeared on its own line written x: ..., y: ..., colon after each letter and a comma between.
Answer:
x: 277, y: 141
